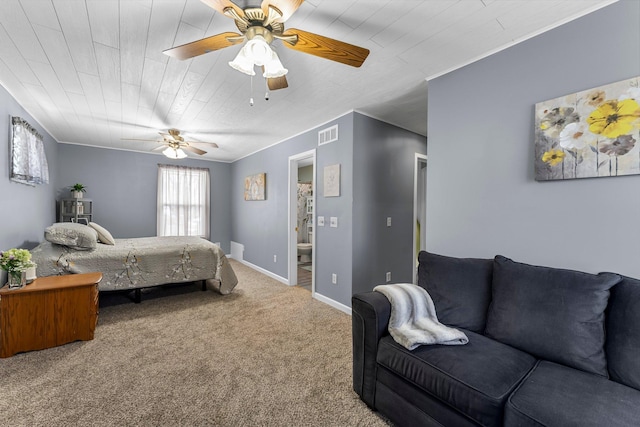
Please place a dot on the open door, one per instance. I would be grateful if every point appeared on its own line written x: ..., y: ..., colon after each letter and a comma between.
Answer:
x: 419, y: 207
x: 307, y: 158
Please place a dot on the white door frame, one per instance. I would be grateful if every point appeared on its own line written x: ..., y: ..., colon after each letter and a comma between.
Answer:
x: 419, y: 159
x: 293, y: 218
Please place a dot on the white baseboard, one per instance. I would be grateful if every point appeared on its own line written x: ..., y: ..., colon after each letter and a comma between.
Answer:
x: 265, y: 272
x: 332, y: 303
x: 237, y: 252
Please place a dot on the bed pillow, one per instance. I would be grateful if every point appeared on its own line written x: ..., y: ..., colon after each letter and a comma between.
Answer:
x: 73, y: 235
x: 551, y: 313
x: 103, y: 234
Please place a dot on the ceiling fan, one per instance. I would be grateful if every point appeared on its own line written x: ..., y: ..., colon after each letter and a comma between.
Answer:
x: 260, y: 26
x: 173, y: 144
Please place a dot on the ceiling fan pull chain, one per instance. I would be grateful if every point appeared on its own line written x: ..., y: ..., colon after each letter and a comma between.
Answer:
x: 266, y: 90
x: 251, y: 95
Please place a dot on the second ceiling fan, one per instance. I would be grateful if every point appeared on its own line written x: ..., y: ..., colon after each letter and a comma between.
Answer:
x: 260, y: 26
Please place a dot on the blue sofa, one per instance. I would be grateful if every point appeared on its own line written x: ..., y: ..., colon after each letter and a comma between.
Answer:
x: 547, y: 347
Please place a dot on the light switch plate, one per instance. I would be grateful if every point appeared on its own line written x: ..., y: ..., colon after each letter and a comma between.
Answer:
x: 320, y: 221
x: 334, y: 221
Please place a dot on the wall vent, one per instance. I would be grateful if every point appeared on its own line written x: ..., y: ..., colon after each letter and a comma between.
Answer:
x: 328, y: 135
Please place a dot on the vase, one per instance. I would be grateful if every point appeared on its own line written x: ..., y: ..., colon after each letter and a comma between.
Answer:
x: 17, y: 279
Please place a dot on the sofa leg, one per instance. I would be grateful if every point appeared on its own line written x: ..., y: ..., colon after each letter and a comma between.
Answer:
x: 137, y: 296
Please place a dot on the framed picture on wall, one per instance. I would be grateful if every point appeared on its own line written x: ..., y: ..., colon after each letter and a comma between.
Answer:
x: 254, y: 187
x: 332, y: 181
x: 589, y: 134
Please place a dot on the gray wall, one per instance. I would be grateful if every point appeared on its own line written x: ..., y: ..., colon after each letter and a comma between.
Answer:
x: 123, y: 187
x: 374, y: 184
x: 383, y: 165
x: 26, y: 210
x: 482, y: 199
x: 262, y: 226
x: 333, y: 245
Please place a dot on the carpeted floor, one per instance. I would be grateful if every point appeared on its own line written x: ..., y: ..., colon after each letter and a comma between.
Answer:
x: 266, y: 355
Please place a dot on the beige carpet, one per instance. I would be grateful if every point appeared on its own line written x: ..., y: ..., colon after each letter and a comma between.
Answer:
x: 266, y: 355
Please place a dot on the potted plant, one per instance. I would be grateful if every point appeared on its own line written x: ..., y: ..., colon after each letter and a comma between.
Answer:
x: 77, y: 190
x: 16, y: 262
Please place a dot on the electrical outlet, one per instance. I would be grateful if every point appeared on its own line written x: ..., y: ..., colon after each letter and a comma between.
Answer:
x: 334, y: 278
x: 388, y: 221
x: 388, y: 276
x: 333, y: 221
x: 320, y: 221
x: 275, y: 258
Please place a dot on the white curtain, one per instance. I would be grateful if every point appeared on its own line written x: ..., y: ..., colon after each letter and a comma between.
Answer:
x: 183, y: 201
x: 28, y: 159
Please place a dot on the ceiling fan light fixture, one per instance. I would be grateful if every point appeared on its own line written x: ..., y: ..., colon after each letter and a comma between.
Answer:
x: 274, y: 67
x: 243, y: 62
x: 174, y: 153
x: 259, y: 50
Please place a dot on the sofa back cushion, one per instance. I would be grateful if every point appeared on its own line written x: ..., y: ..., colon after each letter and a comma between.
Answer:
x: 459, y: 287
x: 623, y: 333
x: 553, y: 314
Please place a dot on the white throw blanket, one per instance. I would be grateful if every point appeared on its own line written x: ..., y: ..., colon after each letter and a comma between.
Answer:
x: 413, y: 319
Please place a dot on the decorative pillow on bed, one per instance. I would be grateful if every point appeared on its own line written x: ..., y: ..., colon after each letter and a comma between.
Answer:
x: 76, y: 236
x: 103, y: 234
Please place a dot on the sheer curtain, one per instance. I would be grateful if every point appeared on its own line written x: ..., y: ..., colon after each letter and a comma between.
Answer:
x: 28, y: 159
x: 183, y: 201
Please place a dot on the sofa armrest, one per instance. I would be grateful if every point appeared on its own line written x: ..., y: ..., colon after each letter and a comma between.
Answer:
x: 370, y: 313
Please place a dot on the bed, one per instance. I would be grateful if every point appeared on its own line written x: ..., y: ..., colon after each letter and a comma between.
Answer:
x: 132, y: 264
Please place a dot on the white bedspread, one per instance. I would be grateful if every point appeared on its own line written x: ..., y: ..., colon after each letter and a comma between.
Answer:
x: 413, y: 319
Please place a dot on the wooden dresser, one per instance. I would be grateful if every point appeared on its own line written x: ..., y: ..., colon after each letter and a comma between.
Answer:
x: 48, y: 312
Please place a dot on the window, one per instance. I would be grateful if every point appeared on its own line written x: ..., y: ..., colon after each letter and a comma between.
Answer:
x: 28, y: 160
x: 183, y: 201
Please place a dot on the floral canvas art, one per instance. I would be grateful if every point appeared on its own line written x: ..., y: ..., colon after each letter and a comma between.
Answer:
x: 593, y: 133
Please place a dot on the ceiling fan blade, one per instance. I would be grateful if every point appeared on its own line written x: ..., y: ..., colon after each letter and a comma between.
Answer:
x: 193, y: 149
x: 327, y: 48
x: 220, y: 5
x: 276, y: 83
x: 210, y: 144
x: 160, y: 147
x: 138, y: 139
x: 286, y: 7
x: 202, y: 46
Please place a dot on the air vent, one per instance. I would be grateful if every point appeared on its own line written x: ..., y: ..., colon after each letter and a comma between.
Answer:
x: 328, y: 135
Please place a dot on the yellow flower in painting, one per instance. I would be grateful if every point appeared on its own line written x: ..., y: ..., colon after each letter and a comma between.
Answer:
x: 614, y: 118
x: 553, y: 157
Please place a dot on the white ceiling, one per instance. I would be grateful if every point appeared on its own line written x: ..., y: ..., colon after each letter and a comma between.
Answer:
x: 92, y: 72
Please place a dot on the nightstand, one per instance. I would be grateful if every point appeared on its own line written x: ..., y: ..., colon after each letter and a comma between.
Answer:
x: 48, y: 312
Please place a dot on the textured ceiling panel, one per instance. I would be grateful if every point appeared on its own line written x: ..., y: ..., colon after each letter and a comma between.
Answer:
x: 93, y: 72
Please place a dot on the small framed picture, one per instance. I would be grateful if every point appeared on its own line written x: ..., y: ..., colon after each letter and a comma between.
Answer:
x: 84, y: 221
x: 332, y: 181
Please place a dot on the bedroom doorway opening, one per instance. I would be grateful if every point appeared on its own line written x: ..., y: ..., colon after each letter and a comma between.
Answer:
x: 302, y: 186
x: 419, y: 208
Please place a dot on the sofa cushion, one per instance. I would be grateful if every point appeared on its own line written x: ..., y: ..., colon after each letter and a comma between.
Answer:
x: 555, y: 395
x: 623, y: 333
x: 554, y: 314
x: 475, y: 378
x: 459, y: 287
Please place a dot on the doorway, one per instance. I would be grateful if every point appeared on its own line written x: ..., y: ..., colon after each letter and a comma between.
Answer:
x: 419, y: 208
x: 302, y: 242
